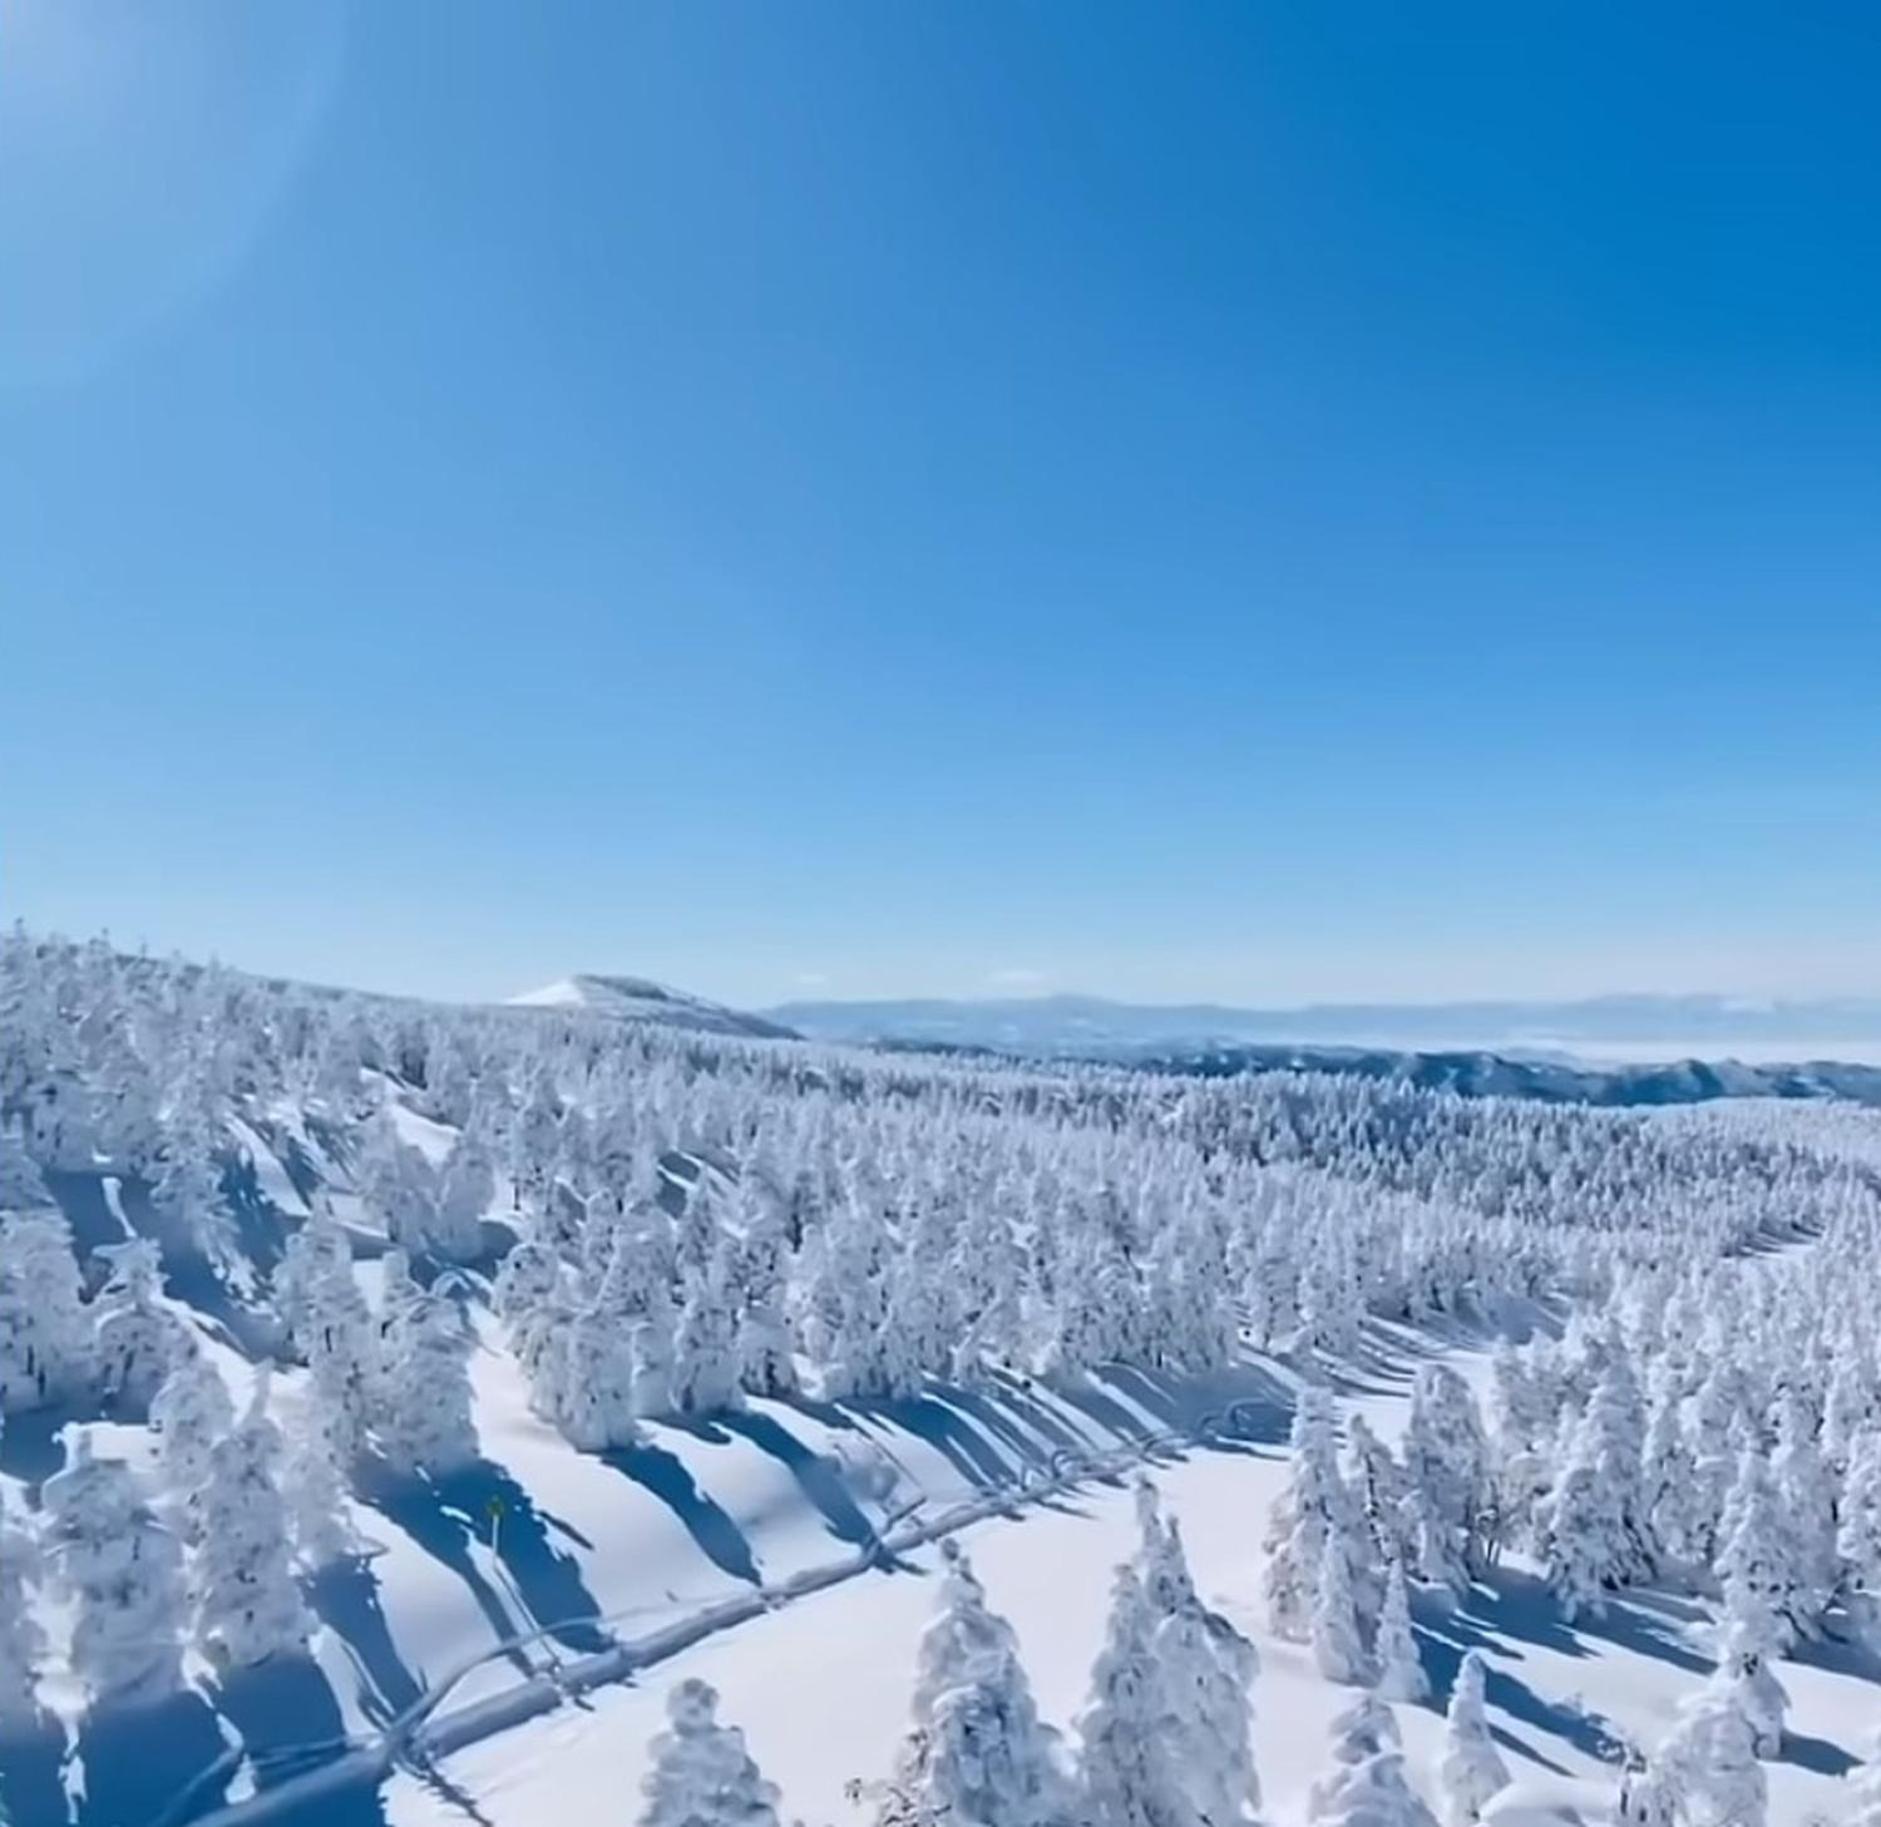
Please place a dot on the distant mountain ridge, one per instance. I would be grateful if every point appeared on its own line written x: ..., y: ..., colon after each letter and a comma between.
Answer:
x: 1085, y: 1026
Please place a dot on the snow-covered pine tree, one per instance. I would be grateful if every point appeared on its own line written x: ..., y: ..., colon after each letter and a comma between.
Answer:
x: 1314, y: 1503
x: 122, y: 1571
x: 1366, y: 1786
x: 139, y: 1340
x: 1130, y: 1765
x: 1400, y: 1669
x: 426, y: 1425
x: 700, y: 1774
x: 1446, y: 1464
x: 45, y: 1330
x: 190, y: 1412
x: 1709, y: 1765
x: 977, y: 1752
x: 1858, y: 1536
x: 1806, y: 1504
x: 22, y: 1641
x: 314, y: 1492
x: 705, y: 1348
x: 1471, y: 1769
x: 247, y: 1605
x: 1338, y: 1642
x: 1755, y: 1567
x: 1746, y: 1650
x: 1206, y: 1668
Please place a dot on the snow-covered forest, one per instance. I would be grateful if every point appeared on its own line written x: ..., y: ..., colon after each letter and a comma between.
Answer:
x: 314, y: 1306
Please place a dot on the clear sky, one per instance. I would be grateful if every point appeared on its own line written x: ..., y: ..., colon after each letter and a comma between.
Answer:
x: 1260, y: 500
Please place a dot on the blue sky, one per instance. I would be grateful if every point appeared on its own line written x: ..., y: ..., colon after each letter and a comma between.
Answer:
x: 1261, y: 501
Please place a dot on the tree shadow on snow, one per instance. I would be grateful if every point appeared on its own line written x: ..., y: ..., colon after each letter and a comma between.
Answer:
x: 1816, y: 1754
x: 30, y: 1448
x: 720, y: 1539
x: 289, y: 1721
x: 32, y: 1785
x: 139, y: 1762
x: 345, y: 1598
x: 818, y: 1477
x: 446, y: 1516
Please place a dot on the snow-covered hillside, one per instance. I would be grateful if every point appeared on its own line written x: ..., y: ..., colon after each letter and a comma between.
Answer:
x: 386, y: 1384
x: 638, y: 999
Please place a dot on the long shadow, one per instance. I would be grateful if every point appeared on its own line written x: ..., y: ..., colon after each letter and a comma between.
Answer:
x: 139, y: 1761
x: 81, y: 1198
x: 549, y: 1580
x: 30, y: 1448
x: 719, y: 1538
x: 32, y: 1786
x: 1816, y: 1754
x: 1587, y: 1732
x: 1626, y: 1627
x: 289, y: 1721
x: 1520, y: 1606
x: 189, y: 1277
x: 445, y: 1532
x: 976, y: 1458
x: 817, y: 1477
x: 345, y: 1598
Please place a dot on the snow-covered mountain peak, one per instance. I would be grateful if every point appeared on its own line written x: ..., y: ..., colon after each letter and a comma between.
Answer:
x: 641, y: 999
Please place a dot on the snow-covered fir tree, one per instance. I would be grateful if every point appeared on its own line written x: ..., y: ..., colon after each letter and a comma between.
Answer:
x: 46, y: 1350
x: 426, y: 1424
x: 122, y: 1571
x: 1130, y: 1760
x: 247, y: 1604
x: 139, y: 1340
x: 1367, y: 1785
x: 1315, y: 1505
x: 190, y: 1413
x: 1471, y: 1769
x: 1401, y: 1673
x: 977, y: 1752
x: 699, y: 1772
x: 22, y: 1640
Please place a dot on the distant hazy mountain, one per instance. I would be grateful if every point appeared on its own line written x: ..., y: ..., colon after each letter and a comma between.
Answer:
x: 637, y: 999
x: 1629, y: 1026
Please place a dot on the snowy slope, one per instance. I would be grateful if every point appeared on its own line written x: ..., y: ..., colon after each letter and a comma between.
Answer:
x: 822, y: 1688
x: 638, y: 999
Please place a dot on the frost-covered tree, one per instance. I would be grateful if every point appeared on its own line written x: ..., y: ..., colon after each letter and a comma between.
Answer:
x: 1710, y: 1768
x: 247, y: 1605
x: 977, y: 1752
x: 1446, y: 1463
x: 313, y: 1490
x: 1400, y: 1669
x: 45, y: 1331
x: 426, y: 1425
x: 1338, y: 1642
x: 139, y: 1340
x: 1806, y: 1503
x: 1205, y: 1667
x: 699, y: 1773
x: 1744, y: 1675
x: 1314, y: 1505
x: 1858, y: 1537
x: 1471, y: 1769
x: 1366, y: 1786
x: 22, y: 1641
x: 705, y: 1375
x: 1130, y: 1766
x: 122, y: 1572
x: 1755, y: 1565
x: 190, y: 1412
